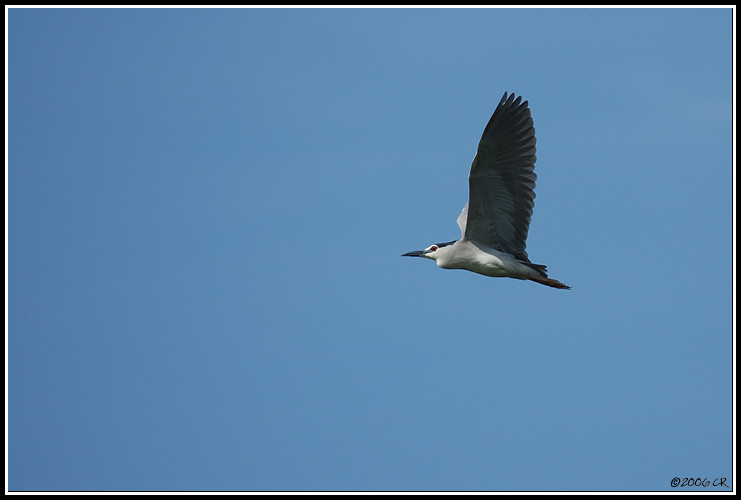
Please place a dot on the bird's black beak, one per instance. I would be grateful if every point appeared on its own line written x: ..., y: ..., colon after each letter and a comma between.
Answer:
x: 416, y: 253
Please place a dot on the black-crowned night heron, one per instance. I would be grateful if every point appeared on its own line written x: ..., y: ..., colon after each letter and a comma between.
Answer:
x: 495, y: 221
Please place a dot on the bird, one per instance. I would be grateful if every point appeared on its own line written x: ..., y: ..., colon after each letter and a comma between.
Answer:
x: 495, y: 222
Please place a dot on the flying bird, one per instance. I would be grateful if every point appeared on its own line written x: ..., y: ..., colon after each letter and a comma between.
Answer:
x: 495, y: 221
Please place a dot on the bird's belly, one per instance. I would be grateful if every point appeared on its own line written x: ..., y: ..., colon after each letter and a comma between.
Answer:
x: 494, y: 271
x: 493, y: 267
x: 489, y: 262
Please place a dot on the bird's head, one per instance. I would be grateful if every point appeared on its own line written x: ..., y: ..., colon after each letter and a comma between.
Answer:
x: 433, y: 252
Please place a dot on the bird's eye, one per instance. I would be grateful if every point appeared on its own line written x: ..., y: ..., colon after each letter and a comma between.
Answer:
x: 433, y: 248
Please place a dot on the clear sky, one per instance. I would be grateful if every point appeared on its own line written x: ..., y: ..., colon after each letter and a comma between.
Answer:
x: 206, y: 216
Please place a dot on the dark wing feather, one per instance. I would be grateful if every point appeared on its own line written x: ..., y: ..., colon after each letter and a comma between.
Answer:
x: 502, y: 180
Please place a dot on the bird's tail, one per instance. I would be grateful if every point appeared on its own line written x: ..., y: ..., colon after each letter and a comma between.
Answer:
x: 550, y: 282
x: 543, y: 279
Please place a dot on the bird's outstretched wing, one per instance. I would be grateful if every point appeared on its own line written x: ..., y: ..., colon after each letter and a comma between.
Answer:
x: 502, y: 180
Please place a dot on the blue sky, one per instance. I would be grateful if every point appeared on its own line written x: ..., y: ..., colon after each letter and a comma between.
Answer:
x: 206, y: 212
